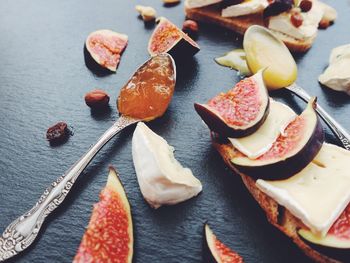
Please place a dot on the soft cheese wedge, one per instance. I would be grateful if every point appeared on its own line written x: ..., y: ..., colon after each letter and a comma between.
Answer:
x: 319, y: 193
x: 247, y: 7
x: 201, y: 3
x: 162, y: 179
x: 261, y: 141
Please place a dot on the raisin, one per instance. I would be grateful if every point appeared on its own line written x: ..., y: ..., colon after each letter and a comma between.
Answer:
x: 296, y: 19
x: 305, y: 5
x: 58, y: 132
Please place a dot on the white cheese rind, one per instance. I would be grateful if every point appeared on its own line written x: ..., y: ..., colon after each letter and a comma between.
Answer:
x: 337, y: 74
x: 282, y: 23
x: 319, y: 193
x: 261, y: 141
x: 200, y: 3
x: 245, y: 8
x: 162, y: 179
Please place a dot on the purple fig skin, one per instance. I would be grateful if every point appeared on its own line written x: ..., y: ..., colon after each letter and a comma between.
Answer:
x: 180, y: 49
x: 217, y: 125
x: 286, y: 168
x: 341, y: 254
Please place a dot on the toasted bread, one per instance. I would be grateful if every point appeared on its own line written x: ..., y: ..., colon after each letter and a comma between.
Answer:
x: 212, y: 14
x: 276, y: 214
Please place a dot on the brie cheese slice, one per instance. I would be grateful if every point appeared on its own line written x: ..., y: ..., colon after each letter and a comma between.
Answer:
x: 261, y: 141
x: 247, y: 7
x: 162, y: 179
x: 319, y: 193
x: 337, y: 75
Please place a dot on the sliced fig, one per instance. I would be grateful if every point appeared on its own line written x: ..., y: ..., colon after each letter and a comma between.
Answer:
x: 105, y: 47
x: 277, y: 7
x: 240, y: 111
x: 336, y: 244
x: 291, y: 152
x: 219, y: 252
x: 168, y: 38
x: 109, y: 235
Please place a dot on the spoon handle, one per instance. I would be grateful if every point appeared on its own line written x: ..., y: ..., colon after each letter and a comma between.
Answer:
x: 23, y: 231
x: 337, y: 129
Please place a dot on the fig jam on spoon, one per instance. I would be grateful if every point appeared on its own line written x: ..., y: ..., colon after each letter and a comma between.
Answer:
x: 145, y: 97
x: 264, y: 50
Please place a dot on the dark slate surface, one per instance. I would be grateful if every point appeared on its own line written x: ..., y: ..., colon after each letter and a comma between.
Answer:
x: 43, y: 79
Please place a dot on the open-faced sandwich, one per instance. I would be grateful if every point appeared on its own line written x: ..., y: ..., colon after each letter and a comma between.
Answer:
x: 301, y: 182
x: 295, y: 22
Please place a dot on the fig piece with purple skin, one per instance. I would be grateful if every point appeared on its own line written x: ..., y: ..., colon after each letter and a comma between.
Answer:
x: 168, y: 38
x: 277, y: 7
x: 291, y: 152
x: 336, y: 244
x: 240, y: 111
x: 105, y: 48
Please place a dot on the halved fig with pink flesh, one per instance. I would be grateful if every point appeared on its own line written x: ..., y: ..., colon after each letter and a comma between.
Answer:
x: 291, y: 152
x: 219, y: 252
x: 240, y: 111
x: 336, y: 244
x: 105, y: 48
x: 168, y: 38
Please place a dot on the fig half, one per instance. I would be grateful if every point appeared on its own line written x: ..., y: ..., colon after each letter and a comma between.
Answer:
x: 240, y: 111
x: 168, y: 38
x: 336, y: 244
x: 105, y: 48
x: 291, y: 152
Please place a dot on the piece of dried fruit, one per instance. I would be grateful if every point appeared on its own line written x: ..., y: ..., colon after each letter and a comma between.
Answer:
x: 305, y: 5
x: 147, y: 13
x: 190, y: 27
x: 105, y: 47
x: 57, y: 132
x: 109, y: 235
x: 219, y: 252
x: 297, y: 19
x: 277, y: 7
x: 97, y: 99
x: 240, y: 111
x: 168, y: 38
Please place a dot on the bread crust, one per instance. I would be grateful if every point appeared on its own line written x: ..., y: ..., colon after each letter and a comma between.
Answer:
x: 277, y: 215
x: 212, y: 15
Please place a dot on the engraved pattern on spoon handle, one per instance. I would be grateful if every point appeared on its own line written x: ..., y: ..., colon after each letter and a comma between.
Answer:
x: 23, y: 231
x: 337, y: 129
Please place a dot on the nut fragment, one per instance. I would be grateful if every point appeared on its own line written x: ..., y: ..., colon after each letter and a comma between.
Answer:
x: 170, y: 2
x: 147, y: 13
x: 190, y: 27
x: 97, y: 99
x: 57, y: 132
x: 297, y: 19
x: 305, y: 5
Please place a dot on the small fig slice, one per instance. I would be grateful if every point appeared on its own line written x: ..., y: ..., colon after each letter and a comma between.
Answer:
x: 109, y: 235
x: 336, y: 244
x: 168, y: 38
x: 219, y: 252
x: 240, y: 111
x: 105, y: 47
x: 291, y: 152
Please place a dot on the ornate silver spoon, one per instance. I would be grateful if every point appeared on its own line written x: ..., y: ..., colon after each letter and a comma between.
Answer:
x: 157, y: 73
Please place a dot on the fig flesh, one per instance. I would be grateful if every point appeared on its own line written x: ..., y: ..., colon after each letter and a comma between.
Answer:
x: 291, y: 152
x: 336, y: 244
x: 109, y: 235
x: 219, y: 252
x: 240, y: 111
x: 105, y: 47
x: 168, y: 38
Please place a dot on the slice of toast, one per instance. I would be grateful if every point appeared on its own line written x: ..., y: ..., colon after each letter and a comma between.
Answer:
x: 212, y: 14
x: 276, y: 214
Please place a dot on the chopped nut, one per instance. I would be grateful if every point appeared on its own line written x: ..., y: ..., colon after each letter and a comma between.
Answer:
x: 297, y: 19
x: 190, y: 27
x: 305, y: 5
x: 147, y: 13
x: 97, y: 99
x: 169, y: 2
